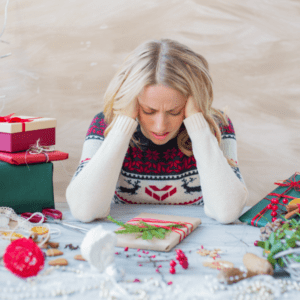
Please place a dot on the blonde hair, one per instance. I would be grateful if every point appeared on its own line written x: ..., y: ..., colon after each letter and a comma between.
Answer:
x: 165, y: 62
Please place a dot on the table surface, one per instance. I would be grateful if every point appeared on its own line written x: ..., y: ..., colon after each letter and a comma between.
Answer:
x: 197, y: 281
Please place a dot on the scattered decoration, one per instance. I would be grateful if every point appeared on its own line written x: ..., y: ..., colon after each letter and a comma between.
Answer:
x: 40, y: 230
x: 257, y: 265
x: 181, y: 257
x: 126, y: 249
x: 212, y: 253
x: 71, y: 247
x: 58, y: 262
x: 218, y: 264
x: 79, y: 257
x: 23, y: 258
x: 54, y: 252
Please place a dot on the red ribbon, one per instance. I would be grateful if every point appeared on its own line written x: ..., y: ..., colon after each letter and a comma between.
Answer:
x: 11, y: 119
x: 177, y: 230
x: 291, y: 184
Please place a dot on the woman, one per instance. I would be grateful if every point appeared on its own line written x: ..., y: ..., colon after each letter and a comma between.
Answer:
x: 159, y: 141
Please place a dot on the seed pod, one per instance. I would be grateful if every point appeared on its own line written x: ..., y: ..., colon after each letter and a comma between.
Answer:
x: 257, y: 264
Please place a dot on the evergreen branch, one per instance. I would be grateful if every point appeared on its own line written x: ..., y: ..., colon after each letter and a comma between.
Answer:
x: 147, y: 231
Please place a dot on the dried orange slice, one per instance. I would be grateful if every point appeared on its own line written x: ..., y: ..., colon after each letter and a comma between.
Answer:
x: 39, y: 230
x: 13, y: 236
x: 295, y: 201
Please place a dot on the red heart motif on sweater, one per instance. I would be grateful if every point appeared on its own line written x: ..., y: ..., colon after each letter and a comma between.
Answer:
x: 153, y: 188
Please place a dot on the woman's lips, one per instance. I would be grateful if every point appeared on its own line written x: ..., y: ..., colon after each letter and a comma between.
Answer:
x: 160, y: 136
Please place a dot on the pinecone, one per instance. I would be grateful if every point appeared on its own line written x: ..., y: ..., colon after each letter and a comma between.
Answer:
x: 269, y: 228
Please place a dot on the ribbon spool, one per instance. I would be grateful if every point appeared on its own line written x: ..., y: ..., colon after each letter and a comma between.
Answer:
x: 98, y: 247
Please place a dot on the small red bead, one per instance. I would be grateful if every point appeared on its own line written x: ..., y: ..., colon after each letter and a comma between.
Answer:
x: 285, y: 201
x: 275, y: 207
x: 269, y: 206
x: 256, y: 243
x: 273, y: 213
x: 275, y: 201
x: 172, y: 271
x: 173, y: 263
x: 274, y: 219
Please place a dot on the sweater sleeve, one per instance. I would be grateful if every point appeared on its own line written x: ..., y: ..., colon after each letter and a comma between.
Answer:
x: 90, y: 192
x: 224, y: 191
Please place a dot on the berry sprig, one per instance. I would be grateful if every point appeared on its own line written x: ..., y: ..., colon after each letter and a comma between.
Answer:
x: 182, y: 259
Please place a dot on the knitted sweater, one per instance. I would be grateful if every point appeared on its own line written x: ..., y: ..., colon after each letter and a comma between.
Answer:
x: 156, y: 174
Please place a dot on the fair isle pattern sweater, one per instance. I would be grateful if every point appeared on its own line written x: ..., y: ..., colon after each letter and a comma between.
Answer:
x: 159, y: 174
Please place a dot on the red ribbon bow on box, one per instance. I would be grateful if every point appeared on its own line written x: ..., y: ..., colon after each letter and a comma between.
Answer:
x: 11, y: 119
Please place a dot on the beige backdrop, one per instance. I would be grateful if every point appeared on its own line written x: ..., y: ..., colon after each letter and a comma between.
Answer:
x: 64, y: 53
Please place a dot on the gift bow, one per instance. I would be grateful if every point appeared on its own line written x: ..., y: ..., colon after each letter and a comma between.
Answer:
x: 177, y: 230
x: 11, y: 119
x: 37, y: 149
x: 292, y: 184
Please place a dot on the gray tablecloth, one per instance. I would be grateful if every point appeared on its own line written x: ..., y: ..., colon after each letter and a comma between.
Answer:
x: 79, y: 280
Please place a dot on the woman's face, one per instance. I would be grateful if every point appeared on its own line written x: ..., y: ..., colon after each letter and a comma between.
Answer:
x: 161, y: 112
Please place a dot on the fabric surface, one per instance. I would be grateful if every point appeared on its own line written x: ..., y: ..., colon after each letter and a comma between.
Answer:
x: 157, y: 174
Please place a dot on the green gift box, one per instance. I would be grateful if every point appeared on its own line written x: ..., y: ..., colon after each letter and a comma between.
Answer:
x: 26, y: 188
x: 273, y: 205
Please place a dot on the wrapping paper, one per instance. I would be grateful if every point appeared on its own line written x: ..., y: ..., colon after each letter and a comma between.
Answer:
x: 171, y: 239
x: 259, y: 215
x: 26, y: 188
x: 22, y: 158
x: 18, y: 136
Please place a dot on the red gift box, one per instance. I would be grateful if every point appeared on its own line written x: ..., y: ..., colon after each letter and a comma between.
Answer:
x: 18, y: 133
x: 25, y: 157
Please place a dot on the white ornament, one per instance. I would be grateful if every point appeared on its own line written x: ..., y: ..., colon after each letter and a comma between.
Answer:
x: 98, y: 247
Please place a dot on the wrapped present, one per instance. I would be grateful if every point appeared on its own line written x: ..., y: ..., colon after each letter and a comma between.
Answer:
x: 19, y: 133
x: 274, y: 205
x: 171, y: 239
x: 26, y: 188
x: 28, y: 157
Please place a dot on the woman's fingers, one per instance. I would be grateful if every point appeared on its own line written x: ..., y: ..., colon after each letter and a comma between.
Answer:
x: 190, y: 107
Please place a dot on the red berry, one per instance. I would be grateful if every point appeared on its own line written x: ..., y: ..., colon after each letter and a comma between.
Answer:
x: 269, y: 206
x: 172, y: 271
x: 178, y: 251
x: 182, y: 256
x: 178, y: 257
x: 173, y: 263
x: 126, y: 249
x: 275, y: 201
x: 285, y: 201
x: 256, y: 243
x: 274, y: 207
x: 185, y: 265
x: 181, y: 262
x: 274, y: 219
x: 273, y: 213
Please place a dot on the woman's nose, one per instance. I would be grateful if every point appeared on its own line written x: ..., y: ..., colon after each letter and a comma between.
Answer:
x: 161, y: 123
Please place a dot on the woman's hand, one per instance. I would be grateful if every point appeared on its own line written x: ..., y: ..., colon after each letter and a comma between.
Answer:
x: 190, y: 107
x: 131, y: 110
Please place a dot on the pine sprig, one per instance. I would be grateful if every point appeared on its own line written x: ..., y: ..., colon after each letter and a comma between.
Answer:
x: 145, y: 231
x: 282, y: 239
